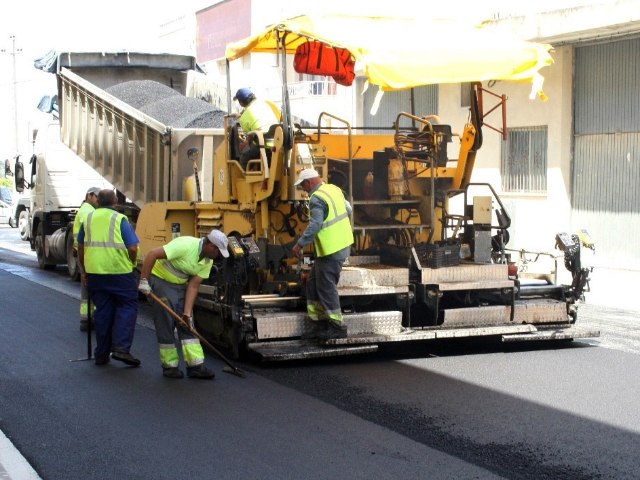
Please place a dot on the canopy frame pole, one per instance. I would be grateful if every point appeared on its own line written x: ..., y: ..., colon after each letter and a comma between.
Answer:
x: 286, y: 106
x: 228, y: 67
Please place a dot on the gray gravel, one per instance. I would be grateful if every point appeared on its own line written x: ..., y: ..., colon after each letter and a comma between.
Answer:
x: 168, y: 106
x: 211, y: 119
x: 139, y: 93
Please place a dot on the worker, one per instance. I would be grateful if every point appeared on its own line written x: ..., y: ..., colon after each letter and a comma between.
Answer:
x: 174, y: 273
x: 257, y: 115
x: 329, y: 229
x: 89, y: 205
x: 108, y: 251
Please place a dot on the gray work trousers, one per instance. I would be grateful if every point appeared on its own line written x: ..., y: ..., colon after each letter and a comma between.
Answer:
x: 323, y: 301
x: 172, y: 295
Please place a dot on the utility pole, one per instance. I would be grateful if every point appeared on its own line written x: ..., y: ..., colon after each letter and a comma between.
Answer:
x: 14, y: 52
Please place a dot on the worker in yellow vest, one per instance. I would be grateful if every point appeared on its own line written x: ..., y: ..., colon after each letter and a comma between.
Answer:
x: 330, y: 231
x: 89, y: 205
x: 257, y: 115
x: 108, y: 252
x: 175, y: 272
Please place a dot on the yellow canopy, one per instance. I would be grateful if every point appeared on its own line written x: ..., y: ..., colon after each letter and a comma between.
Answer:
x: 400, y: 53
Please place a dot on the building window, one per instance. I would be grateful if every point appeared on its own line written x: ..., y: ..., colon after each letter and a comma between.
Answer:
x: 524, y: 160
x: 246, y: 62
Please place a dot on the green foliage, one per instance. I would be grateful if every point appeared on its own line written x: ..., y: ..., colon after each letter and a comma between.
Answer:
x: 6, y: 182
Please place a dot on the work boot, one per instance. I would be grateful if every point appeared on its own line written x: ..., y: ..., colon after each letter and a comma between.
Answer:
x: 102, y: 361
x: 126, y: 358
x: 200, y: 371
x: 334, y: 330
x: 172, y: 372
x: 317, y: 326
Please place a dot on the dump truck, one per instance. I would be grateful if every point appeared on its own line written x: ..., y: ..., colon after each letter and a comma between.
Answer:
x: 429, y: 260
x: 59, y: 174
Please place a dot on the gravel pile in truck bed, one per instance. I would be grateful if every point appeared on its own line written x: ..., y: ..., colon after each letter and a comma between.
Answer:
x: 168, y: 106
x: 212, y: 119
x: 139, y: 93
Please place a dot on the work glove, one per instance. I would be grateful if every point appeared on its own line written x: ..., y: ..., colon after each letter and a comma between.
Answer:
x: 189, y: 321
x: 144, y: 286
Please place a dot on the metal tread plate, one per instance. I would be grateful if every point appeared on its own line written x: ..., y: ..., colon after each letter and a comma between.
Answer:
x: 481, y: 285
x: 540, y: 310
x: 566, y: 333
x: 474, y: 317
x: 373, y: 290
x: 465, y: 272
x: 300, y: 349
x: 272, y: 325
x: 373, y: 275
x: 411, y: 335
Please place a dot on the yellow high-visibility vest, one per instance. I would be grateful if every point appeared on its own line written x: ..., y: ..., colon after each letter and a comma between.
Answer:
x: 335, y: 232
x: 182, y: 261
x: 85, y: 209
x: 105, y: 251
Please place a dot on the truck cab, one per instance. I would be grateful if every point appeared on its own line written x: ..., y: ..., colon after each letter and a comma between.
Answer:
x: 58, y: 181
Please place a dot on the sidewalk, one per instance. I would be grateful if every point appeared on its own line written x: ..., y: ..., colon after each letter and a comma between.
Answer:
x: 614, y: 288
x: 13, y: 465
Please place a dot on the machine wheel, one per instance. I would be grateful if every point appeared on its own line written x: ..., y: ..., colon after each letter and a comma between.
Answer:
x: 12, y: 222
x: 23, y: 225
x: 39, y: 242
x: 72, y: 262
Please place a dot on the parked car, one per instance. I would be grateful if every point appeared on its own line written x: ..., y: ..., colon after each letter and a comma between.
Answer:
x: 6, y: 208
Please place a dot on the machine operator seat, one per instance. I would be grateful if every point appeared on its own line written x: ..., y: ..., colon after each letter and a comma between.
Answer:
x: 234, y: 142
x: 268, y: 140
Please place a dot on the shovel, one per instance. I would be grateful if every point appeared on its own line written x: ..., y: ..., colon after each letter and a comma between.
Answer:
x: 231, y: 367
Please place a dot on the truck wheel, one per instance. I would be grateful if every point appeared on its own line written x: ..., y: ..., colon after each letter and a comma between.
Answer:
x: 23, y: 225
x: 39, y: 241
x: 72, y: 262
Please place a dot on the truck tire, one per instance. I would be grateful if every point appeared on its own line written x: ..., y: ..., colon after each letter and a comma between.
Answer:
x: 72, y: 262
x: 39, y: 242
x: 23, y: 225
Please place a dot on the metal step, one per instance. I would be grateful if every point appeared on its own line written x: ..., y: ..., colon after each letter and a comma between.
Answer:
x: 432, y: 334
x: 552, y: 334
x: 465, y: 272
x: 540, y: 310
x: 532, y: 311
x: 299, y: 349
x: 476, y: 316
x: 480, y: 285
x: 272, y: 325
x: 373, y: 274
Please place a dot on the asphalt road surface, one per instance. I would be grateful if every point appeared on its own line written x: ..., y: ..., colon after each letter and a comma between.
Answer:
x: 461, y: 410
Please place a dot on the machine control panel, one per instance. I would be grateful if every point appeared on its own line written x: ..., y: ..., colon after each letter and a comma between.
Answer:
x: 235, y: 247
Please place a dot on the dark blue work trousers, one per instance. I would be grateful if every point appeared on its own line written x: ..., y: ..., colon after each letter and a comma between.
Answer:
x: 116, y: 300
